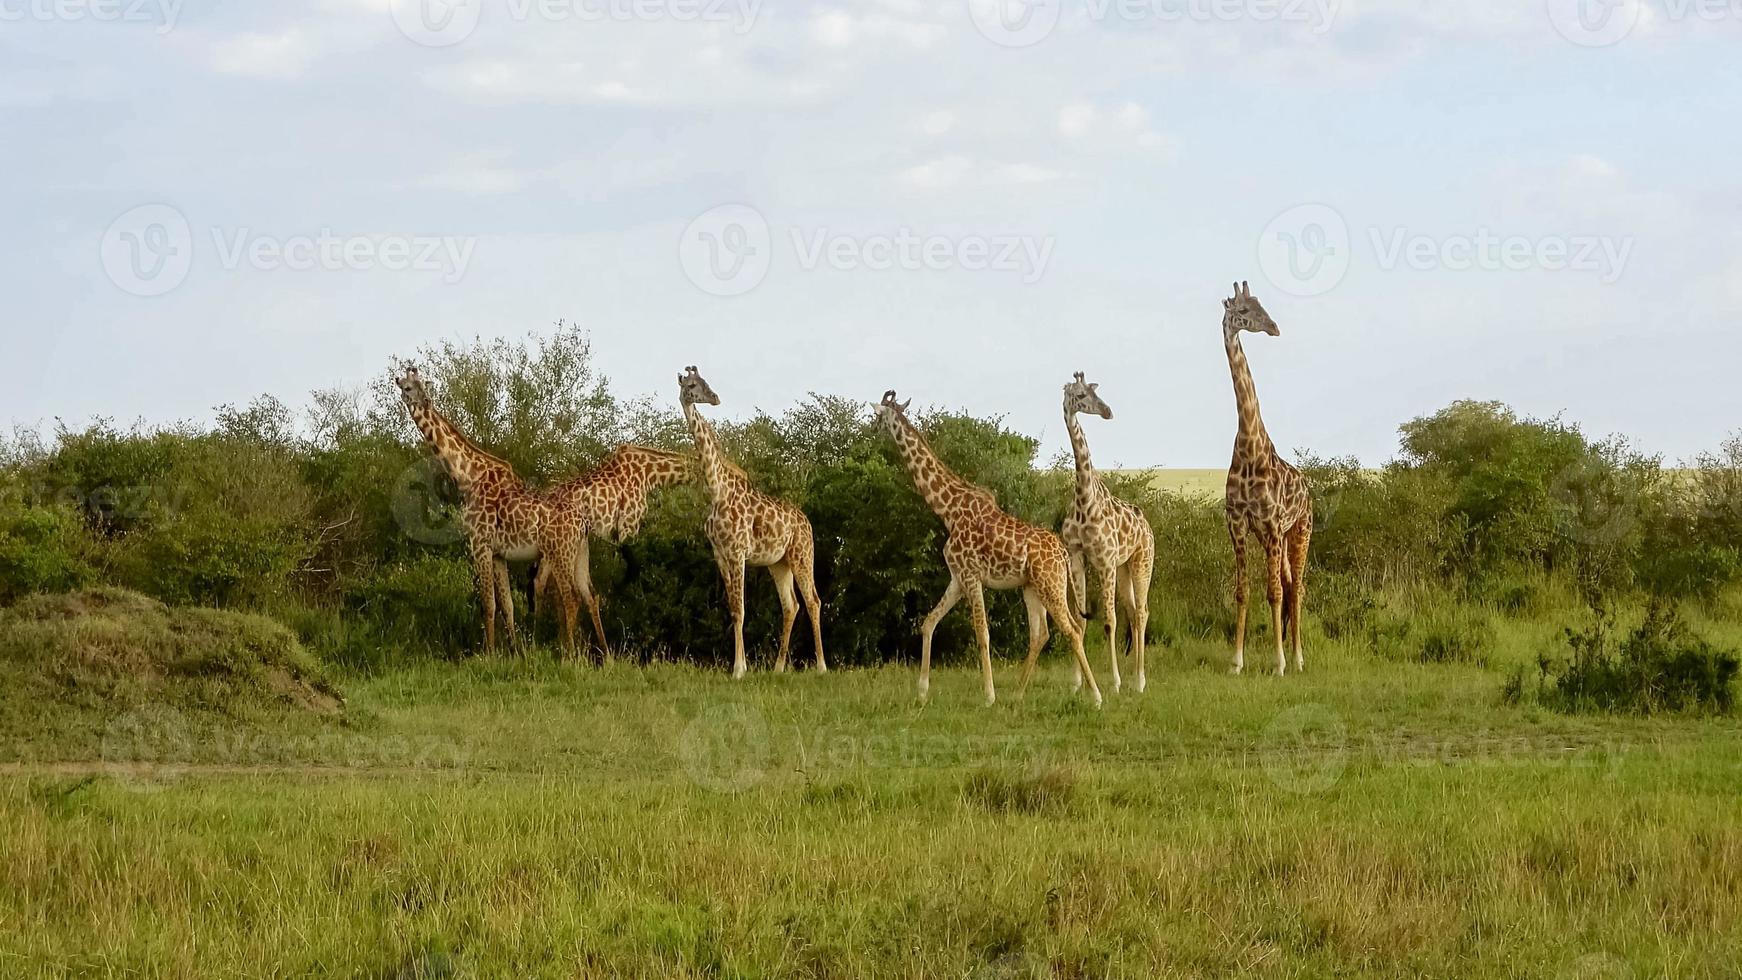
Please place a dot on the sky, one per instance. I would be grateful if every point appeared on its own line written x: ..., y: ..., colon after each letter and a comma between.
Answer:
x: 1535, y: 201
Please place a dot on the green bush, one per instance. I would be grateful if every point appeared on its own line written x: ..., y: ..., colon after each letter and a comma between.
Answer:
x: 1661, y: 666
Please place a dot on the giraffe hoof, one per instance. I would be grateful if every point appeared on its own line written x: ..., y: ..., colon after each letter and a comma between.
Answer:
x: 1142, y: 683
x: 1235, y: 670
x: 991, y: 699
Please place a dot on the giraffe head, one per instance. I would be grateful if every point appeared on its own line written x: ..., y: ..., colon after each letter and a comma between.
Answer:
x: 1081, y: 397
x: 1243, y: 312
x: 693, y: 389
x: 890, y: 412
x: 411, y: 387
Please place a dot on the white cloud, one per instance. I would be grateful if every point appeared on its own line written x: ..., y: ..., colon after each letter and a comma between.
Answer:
x: 283, y: 55
x: 937, y: 123
x: 939, y: 174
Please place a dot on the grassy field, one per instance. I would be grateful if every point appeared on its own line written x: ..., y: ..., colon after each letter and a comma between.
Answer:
x: 518, y: 816
x: 1198, y: 483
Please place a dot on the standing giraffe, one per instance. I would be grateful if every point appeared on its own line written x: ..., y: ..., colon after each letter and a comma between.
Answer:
x: 1266, y: 496
x: 502, y: 518
x: 608, y: 502
x: 986, y: 547
x: 748, y: 527
x: 1108, y: 535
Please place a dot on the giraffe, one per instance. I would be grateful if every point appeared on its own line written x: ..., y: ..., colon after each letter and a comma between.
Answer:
x: 503, y: 520
x: 1109, y: 535
x: 748, y: 527
x: 986, y: 547
x: 608, y: 502
x: 1266, y: 496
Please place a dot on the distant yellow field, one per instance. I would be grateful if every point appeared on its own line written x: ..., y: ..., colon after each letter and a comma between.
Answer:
x: 1208, y: 483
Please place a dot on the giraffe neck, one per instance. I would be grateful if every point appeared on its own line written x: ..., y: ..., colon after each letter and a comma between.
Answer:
x: 1252, y: 440
x: 1086, y: 478
x: 714, y: 468
x: 945, y: 493
x: 462, y: 458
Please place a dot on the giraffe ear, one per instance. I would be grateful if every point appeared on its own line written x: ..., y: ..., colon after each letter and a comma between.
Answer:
x: 904, y: 406
x: 1093, y: 385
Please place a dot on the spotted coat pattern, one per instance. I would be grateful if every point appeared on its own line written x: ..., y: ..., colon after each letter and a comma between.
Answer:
x: 607, y: 502
x: 1266, y: 497
x: 503, y: 519
x: 1108, y: 535
x: 749, y: 527
x: 986, y: 547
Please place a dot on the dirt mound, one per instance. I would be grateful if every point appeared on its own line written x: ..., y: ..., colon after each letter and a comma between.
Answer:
x: 108, y: 649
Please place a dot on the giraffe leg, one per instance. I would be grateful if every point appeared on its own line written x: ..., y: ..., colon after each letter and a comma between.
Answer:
x: 1299, y: 538
x: 505, y: 599
x: 782, y: 573
x: 1275, y: 573
x: 804, y: 570
x: 952, y: 595
x: 1135, y: 582
x: 484, y: 567
x: 1238, y: 534
x: 1052, y: 594
x: 1037, y: 637
x: 976, y: 595
x: 732, y: 570
x: 1109, y: 581
x: 540, y: 582
x: 583, y: 574
x: 568, y: 611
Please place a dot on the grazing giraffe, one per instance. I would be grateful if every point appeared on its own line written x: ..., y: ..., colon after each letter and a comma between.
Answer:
x: 503, y: 519
x: 749, y: 527
x: 1108, y: 535
x: 608, y: 502
x: 986, y: 547
x: 1266, y: 496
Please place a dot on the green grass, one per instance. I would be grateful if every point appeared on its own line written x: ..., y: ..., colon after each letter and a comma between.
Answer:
x: 518, y: 816
x: 1193, y: 483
